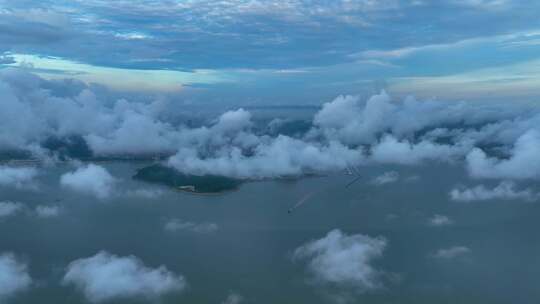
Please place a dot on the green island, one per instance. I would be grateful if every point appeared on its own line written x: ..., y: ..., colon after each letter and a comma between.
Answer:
x: 201, y: 184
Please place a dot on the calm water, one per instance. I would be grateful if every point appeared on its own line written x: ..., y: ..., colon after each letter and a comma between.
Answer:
x: 250, y: 253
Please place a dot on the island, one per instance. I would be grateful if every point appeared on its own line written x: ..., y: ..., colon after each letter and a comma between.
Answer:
x: 200, y: 184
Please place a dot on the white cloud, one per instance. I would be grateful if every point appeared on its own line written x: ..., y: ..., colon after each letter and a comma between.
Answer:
x: 90, y: 179
x: 19, y: 177
x: 144, y: 193
x: 44, y: 211
x: 506, y: 190
x: 277, y: 157
x: 452, y: 252
x: 8, y: 208
x: 105, y: 276
x: 233, y: 298
x: 346, y: 131
x: 386, y: 178
x: 344, y: 259
x: 174, y: 225
x: 523, y: 163
x: 390, y: 150
x: 14, y: 276
x: 440, y: 220
x: 484, y: 4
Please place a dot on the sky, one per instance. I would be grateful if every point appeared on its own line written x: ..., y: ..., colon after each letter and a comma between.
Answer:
x: 438, y: 99
x: 287, y: 52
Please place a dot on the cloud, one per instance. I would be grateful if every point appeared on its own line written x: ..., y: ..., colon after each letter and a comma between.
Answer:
x: 452, y: 252
x: 386, y: 178
x: 233, y: 298
x: 390, y: 150
x: 105, y: 276
x: 440, y: 220
x: 8, y: 208
x: 18, y: 177
x: 282, y: 156
x: 523, y: 163
x: 344, y: 259
x: 505, y: 190
x: 90, y: 179
x: 484, y: 4
x: 174, y: 225
x: 293, y: 36
x: 144, y: 193
x: 14, y: 276
x: 44, y: 211
x: 71, y: 119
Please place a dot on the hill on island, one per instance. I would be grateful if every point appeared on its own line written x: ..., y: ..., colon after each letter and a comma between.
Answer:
x: 171, y: 177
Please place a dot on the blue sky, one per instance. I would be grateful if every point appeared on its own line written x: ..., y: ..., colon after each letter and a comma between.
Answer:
x: 283, y: 52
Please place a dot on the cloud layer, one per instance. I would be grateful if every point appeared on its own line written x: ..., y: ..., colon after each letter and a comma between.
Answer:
x: 72, y: 120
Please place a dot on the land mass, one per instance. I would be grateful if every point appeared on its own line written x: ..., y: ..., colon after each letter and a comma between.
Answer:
x: 171, y: 177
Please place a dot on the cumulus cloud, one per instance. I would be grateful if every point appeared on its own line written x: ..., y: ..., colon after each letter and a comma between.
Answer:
x: 343, y: 259
x: 233, y: 298
x: 14, y: 276
x: 348, y: 130
x: 44, y: 211
x: 8, y: 208
x: 506, y: 190
x: 390, y: 150
x: 31, y: 112
x: 386, y: 178
x: 90, y: 179
x: 105, y: 276
x: 174, y: 225
x: 278, y: 157
x: 524, y: 161
x: 452, y: 252
x: 19, y: 177
x: 440, y: 220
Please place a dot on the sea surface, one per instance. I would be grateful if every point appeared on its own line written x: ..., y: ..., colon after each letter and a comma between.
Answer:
x: 250, y: 253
